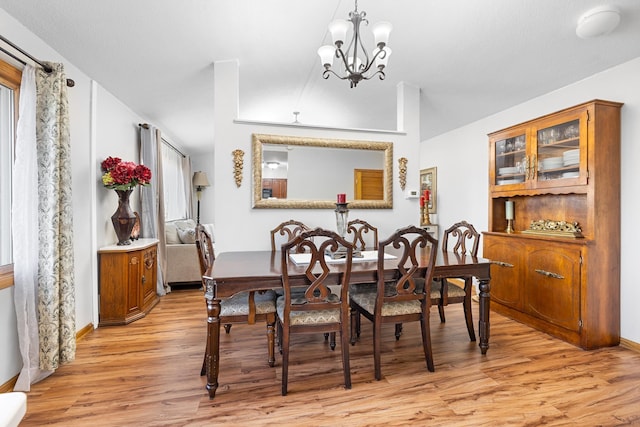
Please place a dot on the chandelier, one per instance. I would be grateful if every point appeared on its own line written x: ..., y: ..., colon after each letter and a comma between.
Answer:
x: 355, y: 58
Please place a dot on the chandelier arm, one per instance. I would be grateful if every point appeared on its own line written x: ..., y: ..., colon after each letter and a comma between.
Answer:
x: 379, y: 72
x: 340, y: 54
x: 358, y: 40
x: 325, y: 74
x: 380, y: 53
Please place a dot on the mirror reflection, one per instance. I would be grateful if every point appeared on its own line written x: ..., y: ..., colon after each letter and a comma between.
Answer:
x: 295, y: 172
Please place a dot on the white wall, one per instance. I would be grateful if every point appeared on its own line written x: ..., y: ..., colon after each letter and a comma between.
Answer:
x: 100, y: 126
x: 238, y: 225
x: 462, y: 160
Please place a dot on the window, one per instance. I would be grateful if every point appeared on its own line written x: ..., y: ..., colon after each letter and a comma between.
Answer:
x: 9, y: 92
x: 173, y: 180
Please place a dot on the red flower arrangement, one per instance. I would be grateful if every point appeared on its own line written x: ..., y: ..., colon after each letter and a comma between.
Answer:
x: 119, y: 175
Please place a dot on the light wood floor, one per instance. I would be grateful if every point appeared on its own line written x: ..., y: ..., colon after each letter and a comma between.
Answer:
x: 147, y: 374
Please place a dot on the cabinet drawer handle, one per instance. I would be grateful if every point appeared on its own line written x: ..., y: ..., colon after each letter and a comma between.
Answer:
x: 502, y: 264
x: 550, y: 274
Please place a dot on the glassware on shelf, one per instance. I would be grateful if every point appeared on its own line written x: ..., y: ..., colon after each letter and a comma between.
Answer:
x: 571, y: 131
x: 509, y: 146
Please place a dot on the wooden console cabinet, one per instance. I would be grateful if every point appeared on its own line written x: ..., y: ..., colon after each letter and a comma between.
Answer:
x: 560, y: 170
x: 128, y: 277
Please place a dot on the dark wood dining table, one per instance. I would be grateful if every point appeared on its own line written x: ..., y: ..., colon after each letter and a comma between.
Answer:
x: 235, y: 272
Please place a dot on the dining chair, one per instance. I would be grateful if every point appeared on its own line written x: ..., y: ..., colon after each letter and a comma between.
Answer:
x: 244, y: 307
x: 397, y: 298
x: 309, y: 305
x: 365, y: 237
x: 283, y: 233
x: 462, y: 239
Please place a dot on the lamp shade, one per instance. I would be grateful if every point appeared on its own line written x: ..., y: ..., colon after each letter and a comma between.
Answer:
x: 200, y: 180
x: 381, y: 31
x: 338, y: 30
x: 327, y: 53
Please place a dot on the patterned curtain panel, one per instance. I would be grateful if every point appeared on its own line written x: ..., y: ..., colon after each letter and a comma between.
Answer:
x: 56, y: 287
x: 44, y: 265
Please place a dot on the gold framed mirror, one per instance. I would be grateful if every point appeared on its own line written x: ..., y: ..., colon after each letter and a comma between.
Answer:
x: 307, y: 173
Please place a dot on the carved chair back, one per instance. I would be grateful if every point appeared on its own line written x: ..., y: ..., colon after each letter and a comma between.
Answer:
x: 285, y: 232
x: 360, y: 230
x: 204, y: 245
x: 459, y: 235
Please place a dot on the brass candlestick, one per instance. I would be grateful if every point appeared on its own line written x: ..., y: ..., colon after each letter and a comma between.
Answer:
x: 426, y: 219
x: 509, y: 226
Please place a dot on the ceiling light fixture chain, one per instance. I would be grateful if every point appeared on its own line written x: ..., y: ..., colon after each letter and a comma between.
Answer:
x: 356, y: 67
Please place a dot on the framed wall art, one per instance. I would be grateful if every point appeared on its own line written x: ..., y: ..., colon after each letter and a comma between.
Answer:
x: 429, y: 181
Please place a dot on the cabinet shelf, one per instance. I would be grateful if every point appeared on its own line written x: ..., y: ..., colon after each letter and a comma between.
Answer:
x: 564, y: 143
x: 511, y: 153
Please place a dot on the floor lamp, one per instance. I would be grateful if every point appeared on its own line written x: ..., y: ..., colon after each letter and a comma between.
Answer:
x: 200, y: 181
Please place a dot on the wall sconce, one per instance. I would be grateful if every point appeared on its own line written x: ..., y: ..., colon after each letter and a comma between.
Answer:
x: 403, y: 171
x: 200, y: 182
x: 237, y: 166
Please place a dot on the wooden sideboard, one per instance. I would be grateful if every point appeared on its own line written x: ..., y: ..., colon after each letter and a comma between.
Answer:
x: 558, y: 267
x: 128, y: 276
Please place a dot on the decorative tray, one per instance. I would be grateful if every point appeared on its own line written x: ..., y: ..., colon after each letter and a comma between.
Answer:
x: 550, y: 227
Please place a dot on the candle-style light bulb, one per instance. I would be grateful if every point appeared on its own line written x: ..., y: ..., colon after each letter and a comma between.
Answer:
x: 508, y: 208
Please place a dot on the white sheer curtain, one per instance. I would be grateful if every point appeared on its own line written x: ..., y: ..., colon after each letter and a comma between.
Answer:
x: 176, y: 182
x: 152, y: 198
x: 25, y: 246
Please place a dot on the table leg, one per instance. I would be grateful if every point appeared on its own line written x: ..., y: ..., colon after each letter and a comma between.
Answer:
x: 213, y: 340
x: 483, y: 324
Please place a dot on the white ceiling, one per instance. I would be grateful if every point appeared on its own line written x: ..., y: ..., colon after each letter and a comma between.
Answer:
x: 471, y: 58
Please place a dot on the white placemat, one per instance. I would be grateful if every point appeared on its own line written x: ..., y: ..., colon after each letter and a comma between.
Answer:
x: 300, y: 259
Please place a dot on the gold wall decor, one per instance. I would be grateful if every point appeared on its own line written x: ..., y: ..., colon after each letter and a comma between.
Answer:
x: 238, y: 163
x: 403, y: 171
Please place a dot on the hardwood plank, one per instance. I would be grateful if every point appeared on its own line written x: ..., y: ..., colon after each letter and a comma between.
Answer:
x: 147, y: 373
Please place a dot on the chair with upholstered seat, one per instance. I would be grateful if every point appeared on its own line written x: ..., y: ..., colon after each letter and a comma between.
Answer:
x: 364, y: 236
x: 462, y: 239
x: 244, y: 307
x: 398, y: 298
x: 309, y: 305
x: 283, y: 233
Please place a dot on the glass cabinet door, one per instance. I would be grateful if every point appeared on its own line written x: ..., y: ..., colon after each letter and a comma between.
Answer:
x: 559, y: 153
x: 510, y: 160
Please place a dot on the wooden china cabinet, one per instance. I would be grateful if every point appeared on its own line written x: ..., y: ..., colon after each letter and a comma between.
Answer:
x: 559, y: 269
x: 128, y: 277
